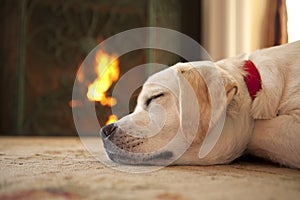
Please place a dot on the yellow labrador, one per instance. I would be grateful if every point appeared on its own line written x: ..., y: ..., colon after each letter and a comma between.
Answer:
x: 179, y: 112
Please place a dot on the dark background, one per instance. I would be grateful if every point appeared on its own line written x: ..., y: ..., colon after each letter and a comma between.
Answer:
x: 43, y: 42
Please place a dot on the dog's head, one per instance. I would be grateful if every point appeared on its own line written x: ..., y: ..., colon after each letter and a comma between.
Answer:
x: 172, y: 116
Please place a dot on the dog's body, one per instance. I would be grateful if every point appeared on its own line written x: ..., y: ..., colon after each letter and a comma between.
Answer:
x: 267, y: 126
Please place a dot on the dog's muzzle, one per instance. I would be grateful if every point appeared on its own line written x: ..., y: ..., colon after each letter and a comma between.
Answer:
x: 121, y: 153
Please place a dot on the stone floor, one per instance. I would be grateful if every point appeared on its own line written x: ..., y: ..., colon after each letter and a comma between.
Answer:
x: 61, y: 168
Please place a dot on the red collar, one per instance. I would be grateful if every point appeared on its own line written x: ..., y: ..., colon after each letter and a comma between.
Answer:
x: 252, y: 78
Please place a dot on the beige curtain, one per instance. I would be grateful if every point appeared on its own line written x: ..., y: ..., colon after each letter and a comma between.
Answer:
x: 277, y: 23
x: 231, y: 27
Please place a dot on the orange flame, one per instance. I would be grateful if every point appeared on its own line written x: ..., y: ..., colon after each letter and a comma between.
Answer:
x: 111, y: 119
x: 107, y: 69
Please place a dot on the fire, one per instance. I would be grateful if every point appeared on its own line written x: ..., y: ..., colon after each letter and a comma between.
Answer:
x: 111, y: 119
x: 107, y: 70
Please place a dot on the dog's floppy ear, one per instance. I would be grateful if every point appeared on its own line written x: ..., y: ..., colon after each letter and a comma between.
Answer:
x: 188, y: 103
x: 221, y: 88
x: 205, y: 91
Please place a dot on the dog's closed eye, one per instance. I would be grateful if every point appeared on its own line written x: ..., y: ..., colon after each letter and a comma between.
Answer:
x: 148, y: 101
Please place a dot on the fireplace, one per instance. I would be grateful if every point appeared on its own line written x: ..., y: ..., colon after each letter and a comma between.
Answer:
x: 43, y: 43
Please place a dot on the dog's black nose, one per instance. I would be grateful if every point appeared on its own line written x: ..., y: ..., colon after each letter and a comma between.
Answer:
x: 108, y: 130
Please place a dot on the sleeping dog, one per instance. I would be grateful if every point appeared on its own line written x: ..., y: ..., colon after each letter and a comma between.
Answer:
x: 257, y: 101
